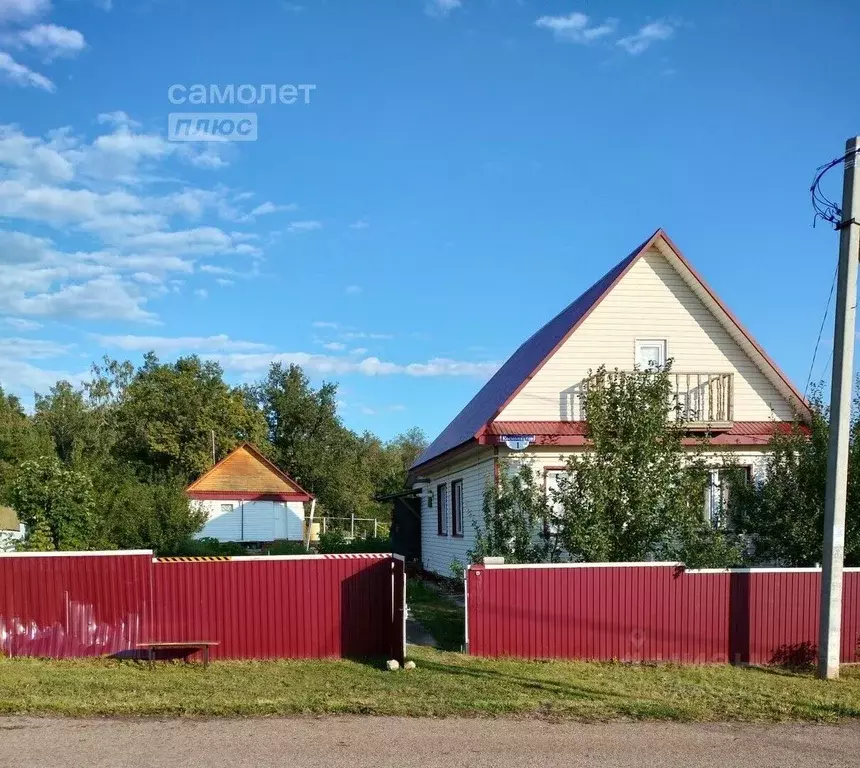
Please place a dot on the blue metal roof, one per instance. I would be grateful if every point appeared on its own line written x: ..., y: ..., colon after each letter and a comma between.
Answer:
x: 485, y: 406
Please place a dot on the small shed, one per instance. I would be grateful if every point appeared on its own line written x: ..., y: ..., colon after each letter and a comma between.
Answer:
x: 11, y: 529
x: 248, y: 499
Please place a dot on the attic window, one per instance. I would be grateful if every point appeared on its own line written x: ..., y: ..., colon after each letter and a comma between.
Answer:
x: 650, y: 354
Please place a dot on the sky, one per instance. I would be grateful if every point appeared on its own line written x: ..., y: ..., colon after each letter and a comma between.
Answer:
x: 450, y: 175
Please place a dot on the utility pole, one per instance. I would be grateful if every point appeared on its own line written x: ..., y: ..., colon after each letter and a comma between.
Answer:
x: 830, y: 628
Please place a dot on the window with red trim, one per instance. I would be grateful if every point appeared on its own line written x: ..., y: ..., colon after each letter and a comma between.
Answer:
x: 457, y: 507
x: 442, y: 509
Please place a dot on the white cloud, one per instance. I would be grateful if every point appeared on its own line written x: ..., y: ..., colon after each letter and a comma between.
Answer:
x: 51, y: 41
x: 18, y: 10
x: 38, y: 349
x: 18, y: 74
x: 173, y: 345
x: 118, y: 118
x: 366, y: 410
x: 441, y: 8
x: 23, y: 378
x: 270, y: 207
x: 398, y: 407
x: 576, y: 27
x: 650, y: 33
x: 106, y: 297
x: 334, y: 346
x: 201, y: 293
x: 365, y: 335
x: 360, y: 224
x: 224, y: 283
x: 298, y: 227
x: 109, y: 193
x: 325, y: 324
x: 352, y: 290
x: 359, y: 351
x: 20, y: 324
x: 326, y: 365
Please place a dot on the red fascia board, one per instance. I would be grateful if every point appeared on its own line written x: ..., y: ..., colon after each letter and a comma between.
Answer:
x: 247, y: 496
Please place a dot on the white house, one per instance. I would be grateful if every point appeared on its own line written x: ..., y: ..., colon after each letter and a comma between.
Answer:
x: 248, y: 499
x: 650, y: 307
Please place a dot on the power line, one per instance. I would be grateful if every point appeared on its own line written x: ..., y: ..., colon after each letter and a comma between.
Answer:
x: 820, y: 331
x: 824, y: 207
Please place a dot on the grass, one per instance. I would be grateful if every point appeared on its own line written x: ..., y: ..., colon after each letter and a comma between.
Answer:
x: 444, y: 684
x: 441, y: 616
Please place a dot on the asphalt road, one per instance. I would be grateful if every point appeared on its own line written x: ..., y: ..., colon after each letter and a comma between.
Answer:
x: 358, y: 741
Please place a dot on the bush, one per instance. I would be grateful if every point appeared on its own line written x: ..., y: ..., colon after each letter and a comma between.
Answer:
x: 205, y: 547
x: 284, y: 547
x: 335, y: 543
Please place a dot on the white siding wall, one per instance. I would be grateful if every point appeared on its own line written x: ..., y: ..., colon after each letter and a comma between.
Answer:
x: 438, y: 552
x: 650, y: 302
x: 263, y: 520
x: 540, y: 458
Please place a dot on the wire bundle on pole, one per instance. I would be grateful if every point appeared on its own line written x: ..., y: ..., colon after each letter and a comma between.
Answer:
x: 823, y: 206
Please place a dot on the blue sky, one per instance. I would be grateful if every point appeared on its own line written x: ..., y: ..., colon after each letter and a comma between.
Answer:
x: 463, y: 171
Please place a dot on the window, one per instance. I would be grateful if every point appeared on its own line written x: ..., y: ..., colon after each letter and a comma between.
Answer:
x: 457, y: 507
x: 717, y: 494
x: 442, y: 509
x: 226, y: 509
x: 552, y: 475
x: 650, y: 353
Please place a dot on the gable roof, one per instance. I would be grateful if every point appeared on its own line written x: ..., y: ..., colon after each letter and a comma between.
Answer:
x: 521, y: 367
x: 246, y: 474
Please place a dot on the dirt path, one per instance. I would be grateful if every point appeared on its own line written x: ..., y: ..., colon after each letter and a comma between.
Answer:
x: 354, y: 742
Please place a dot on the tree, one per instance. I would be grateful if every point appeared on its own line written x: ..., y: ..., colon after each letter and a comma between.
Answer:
x: 134, y: 514
x: 169, y: 411
x: 18, y: 439
x: 63, y: 418
x: 56, y: 505
x: 310, y: 441
x: 517, y: 521
x: 637, y: 493
x: 783, y: 514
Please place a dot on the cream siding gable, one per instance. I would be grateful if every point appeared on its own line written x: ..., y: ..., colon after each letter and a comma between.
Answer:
x: 651, y: 301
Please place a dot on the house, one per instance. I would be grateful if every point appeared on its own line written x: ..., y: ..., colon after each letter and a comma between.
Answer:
x: 247, y: 498
x: 11, y: 529
x: 650, y: 307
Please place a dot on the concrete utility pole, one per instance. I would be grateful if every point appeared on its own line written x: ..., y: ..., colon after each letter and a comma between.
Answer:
x: 830, y: 628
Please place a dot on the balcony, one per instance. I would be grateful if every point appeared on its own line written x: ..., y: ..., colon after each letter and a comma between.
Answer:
x: 700, y: 400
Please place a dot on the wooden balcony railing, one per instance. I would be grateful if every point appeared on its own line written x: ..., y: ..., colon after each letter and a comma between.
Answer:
x: 700, y: 400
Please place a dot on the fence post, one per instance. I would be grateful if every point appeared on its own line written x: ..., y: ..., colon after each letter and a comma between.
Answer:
x: 352, y: 526
x: 375, y: 527
x: 323, y: 524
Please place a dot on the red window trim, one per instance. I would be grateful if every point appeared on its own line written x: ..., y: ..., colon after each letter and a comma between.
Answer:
x: 441, y: 513
x: 457, y: 510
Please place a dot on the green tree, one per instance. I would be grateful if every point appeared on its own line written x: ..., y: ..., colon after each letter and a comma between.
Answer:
x: 63, y: 418
x: 138, y: 514
x: 517, y: 520
x: 168, y: 413
x: 310, y: 441
x: 637, y: 493
x: 18, y: 438
x: 56, y: 504
x: 783, y: 514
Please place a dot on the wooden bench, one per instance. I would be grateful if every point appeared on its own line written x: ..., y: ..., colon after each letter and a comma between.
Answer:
x: 190, y: 646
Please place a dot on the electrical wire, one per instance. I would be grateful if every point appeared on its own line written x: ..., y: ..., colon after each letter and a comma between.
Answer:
x: 820, y: 332
x: 824, y: 207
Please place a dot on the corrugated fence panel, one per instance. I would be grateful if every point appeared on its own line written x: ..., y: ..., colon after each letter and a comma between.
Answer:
x: 651, y: 613
x: 61, y: 606
x: 265, y: 608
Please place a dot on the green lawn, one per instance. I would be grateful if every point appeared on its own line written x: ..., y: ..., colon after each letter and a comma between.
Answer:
x: 441, y: 616
x: 443, y: 684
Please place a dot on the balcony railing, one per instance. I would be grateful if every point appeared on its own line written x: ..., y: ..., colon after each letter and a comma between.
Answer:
x: 700, y: 400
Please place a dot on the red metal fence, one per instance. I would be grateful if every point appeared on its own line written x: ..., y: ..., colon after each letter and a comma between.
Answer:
x: 651, y: 612
x: 87, y: 604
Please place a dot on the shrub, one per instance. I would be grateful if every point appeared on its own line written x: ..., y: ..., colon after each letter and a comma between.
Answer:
x: 335, y: 543
x: 284, y: 547
x: 205, y: 547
